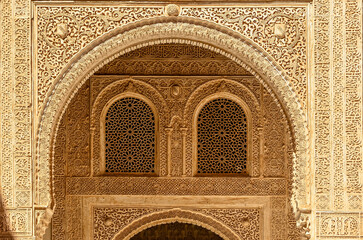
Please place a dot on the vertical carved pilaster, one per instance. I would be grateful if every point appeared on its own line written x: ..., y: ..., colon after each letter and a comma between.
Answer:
x: 169, y: 132
x: 184, y: 135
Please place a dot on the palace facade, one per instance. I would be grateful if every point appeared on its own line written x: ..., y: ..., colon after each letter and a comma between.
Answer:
x: 181, y: 120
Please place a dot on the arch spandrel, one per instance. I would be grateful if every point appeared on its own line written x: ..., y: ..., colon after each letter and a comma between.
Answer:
x: 176, y: 215
x: 211, y: 36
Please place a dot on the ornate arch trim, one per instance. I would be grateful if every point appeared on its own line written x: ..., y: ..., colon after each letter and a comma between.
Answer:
x: 176, y: 215
x: 156, y: 31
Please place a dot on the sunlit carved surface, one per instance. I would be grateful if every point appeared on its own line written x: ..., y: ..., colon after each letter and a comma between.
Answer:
x: 313, y: 47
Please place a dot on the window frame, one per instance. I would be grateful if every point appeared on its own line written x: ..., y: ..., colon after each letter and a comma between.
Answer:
x: 246, y: 109
x: 103, y: 134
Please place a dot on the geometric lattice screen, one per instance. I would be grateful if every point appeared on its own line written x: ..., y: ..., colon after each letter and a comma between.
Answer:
x: 222, y: 138
x: 130, y: 137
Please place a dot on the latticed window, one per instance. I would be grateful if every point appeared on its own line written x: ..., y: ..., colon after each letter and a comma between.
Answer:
x: 222, y: 138
x: 130, y: 139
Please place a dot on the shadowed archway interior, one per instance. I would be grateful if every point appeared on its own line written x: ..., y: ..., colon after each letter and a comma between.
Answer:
x: 176, y: 231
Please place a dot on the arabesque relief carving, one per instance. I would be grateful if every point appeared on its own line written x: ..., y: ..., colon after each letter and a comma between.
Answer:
x: 332, y: 54
x: 221, y: 221
x: 291, y: 104
x: 180, y: 96
x: 279, y: 30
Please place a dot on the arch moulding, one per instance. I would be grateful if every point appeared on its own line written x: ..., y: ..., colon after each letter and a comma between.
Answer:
x: 156, y: 31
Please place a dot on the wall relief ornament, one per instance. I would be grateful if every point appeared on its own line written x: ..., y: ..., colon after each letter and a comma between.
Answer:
x: 281, y: 31
x: 212, y: 219
x: 92, y: 63
x: 337, y: 52
x: 181, y: 102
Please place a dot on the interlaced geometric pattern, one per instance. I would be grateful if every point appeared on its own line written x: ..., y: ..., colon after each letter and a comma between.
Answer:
x: 222, y: 138
x: 130, y: 137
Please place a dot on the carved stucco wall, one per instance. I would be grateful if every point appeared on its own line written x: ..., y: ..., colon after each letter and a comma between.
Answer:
x: 180, y: 29
x: 75, y: 179
x: 335, y: 117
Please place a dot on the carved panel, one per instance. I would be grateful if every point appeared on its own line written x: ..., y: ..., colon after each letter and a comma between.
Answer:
x: 173, y: 59
x: 353, y: 97
x: 279, y: 218
x: 274, y: 128
x: 280, y: 31
x: 59, y: 222
x: 16, y: 120
x: 338, y: 101
x: 338, y: 95
x: 72, y: 28
x: 342, y: 225
x: 16, y: 222
x: 78, y: 134
x: 246, y: 223
x: 107, y: 222
x: 322, y: 104
x: 175, y: 186
x: 73, y: 219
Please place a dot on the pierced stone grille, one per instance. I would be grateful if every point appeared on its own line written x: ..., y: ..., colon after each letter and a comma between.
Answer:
x: 222, y: 138
x: 130, y: 137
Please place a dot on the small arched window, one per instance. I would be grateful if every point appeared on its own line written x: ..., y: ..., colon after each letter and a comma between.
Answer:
x: 222, y: 134
x: 130, y: 137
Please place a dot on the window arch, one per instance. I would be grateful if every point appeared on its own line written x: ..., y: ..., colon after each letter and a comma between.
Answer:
x: 222, y: 136
x: 129, y: 132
